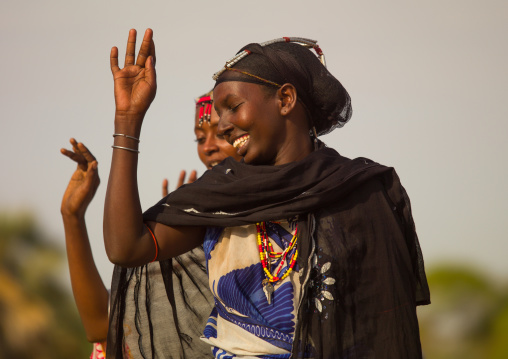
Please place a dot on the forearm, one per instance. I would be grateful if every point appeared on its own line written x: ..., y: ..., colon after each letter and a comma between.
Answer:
x: 124, y: 232
x: 89, y: 291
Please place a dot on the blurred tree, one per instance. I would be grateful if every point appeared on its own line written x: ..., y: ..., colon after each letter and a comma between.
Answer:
x: 38, y: 317
x: 468, y: 317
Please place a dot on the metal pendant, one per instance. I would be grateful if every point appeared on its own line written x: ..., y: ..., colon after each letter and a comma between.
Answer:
x: 268, y: 289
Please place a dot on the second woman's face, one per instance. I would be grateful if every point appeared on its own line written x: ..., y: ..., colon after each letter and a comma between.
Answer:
x: 211, y: 149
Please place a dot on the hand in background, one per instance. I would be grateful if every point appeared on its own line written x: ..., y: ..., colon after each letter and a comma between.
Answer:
x: 89, y: 291
x: 83, y: 183
x: 181, y: 179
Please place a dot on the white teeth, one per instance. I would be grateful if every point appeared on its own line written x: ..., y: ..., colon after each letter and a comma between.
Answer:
x: 239, y: 142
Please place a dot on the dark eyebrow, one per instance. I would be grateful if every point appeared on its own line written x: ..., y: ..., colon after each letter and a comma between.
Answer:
x: 227, y: 98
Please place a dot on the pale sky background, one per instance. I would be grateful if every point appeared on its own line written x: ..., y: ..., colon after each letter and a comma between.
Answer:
x: 428, y: 81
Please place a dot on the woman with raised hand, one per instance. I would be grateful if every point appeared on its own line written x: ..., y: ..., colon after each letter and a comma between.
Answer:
x: 309, y: 254
x: 88, y: 289
x: 173, y: 322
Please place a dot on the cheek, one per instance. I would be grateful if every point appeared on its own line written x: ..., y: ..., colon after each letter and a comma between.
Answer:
x: 201, y: 152
x: 227, y: 149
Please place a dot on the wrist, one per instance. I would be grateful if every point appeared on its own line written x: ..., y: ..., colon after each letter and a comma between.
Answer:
x: 127, y: 121
x: 72, y: 217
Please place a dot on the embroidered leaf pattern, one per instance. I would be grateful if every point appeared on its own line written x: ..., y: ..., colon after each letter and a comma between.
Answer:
x: 327, y: 295
x: 317, y: 302
x: 319, y: 285
x: 329, y: 281
x: 325, y: 267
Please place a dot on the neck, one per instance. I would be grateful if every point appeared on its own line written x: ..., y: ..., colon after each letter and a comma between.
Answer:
x: 299, y: 147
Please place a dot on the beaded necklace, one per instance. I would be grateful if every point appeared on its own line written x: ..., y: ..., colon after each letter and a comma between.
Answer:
x: 266, y: 253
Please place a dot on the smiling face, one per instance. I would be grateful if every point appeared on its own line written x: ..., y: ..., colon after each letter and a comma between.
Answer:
x: 257, y: 123
x: 211, y: 149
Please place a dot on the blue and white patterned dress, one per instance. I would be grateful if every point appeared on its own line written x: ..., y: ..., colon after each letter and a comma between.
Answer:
x: 243, y: 324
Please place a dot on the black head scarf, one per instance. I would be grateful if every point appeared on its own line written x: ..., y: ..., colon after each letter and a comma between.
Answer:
x: 325, y: 98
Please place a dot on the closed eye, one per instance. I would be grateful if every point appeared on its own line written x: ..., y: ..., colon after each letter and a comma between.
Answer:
x: 234, y: 108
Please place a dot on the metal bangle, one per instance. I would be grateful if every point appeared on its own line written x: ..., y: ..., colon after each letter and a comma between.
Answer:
x: 127, y: 136
x: 125, y: 148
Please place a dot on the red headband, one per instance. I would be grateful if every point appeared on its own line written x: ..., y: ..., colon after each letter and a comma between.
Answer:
x: 205, y: 109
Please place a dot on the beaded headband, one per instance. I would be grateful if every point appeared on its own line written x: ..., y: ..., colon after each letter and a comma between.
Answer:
x: 205, y: 109
x: 299, y: 40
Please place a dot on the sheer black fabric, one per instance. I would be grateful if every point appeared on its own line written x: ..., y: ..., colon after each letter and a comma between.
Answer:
x: 362, y: 268
x: 325, y: 98
x: 159, y: 310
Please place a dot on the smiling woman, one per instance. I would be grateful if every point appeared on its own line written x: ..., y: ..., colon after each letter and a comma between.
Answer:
x: 309, y: 254
x: 272, y: 130
x: 211, y: 149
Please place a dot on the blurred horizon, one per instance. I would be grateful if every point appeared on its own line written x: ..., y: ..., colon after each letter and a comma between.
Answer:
x: 428, y: 83
x: 468, y: 316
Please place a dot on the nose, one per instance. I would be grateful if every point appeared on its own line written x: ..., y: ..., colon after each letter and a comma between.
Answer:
x: 224, y: 129
x: 210, y: 146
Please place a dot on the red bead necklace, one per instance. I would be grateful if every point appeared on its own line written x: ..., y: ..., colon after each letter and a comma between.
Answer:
x: 266, y: 251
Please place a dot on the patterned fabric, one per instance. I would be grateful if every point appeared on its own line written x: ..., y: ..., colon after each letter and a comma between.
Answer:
x: 243, y: 324
x: 98, y: 352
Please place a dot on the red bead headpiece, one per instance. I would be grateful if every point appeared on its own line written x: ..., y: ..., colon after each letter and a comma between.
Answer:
x: 204, y: 104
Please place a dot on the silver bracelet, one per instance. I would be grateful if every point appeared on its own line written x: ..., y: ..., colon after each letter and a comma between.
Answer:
x: 125, y: 148
x: 126, y: 136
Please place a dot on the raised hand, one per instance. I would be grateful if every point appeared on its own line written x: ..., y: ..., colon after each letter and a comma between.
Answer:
x: 89, y: 291
x: 135, y: 84
x: 181, y: 179
x: 84, y: 181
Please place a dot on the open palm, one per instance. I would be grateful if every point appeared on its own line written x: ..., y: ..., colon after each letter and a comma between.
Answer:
x: 135, y: 84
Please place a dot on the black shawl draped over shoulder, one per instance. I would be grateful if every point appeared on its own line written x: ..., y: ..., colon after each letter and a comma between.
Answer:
x: 362, y: 268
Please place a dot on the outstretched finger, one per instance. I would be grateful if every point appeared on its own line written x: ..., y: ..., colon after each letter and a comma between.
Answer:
x: 89, y: 157
x: 165, y: 185
x: 152, y: 51
x: 113, y: 60
x: 145, y: 49
x: 74, y: 145
x: 193, y: 176
x: 150, y: 75
x: 130, y: 51
x: 76, y: 157
x: 181, y: 179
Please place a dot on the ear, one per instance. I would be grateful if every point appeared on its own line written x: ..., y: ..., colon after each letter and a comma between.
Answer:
x: 288, y: 97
